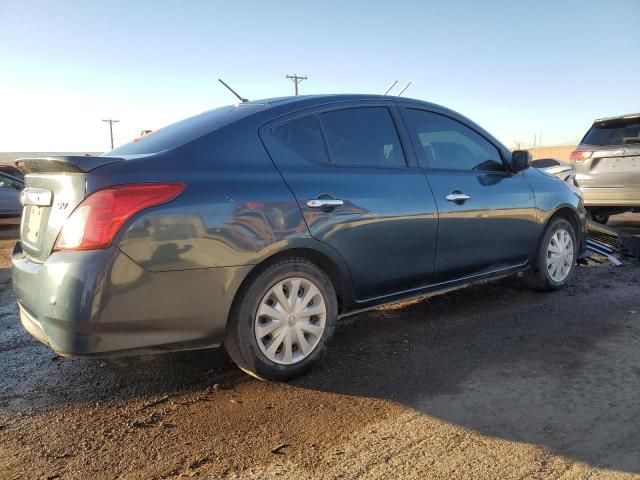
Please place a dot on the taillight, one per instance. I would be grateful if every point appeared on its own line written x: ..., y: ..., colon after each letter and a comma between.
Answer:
x: 578, y: 155
x: 95, y: 222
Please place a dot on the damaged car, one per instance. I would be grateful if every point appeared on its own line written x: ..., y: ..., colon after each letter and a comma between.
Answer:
x: 257, y: 225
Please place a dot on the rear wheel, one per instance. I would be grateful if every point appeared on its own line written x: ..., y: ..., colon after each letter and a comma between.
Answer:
x: 282, y: 321
x: 555, y: 261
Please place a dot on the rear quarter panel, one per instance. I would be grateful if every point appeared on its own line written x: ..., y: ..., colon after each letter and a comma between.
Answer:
x: 235, y: 209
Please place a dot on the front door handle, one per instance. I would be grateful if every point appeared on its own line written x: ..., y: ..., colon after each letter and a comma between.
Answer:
x: 324, y: 203
x: 457, y: 197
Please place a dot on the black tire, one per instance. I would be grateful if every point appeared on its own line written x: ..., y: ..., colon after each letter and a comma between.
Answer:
x: 240, y: 338
x: 599, y: 216
x: 538, y: 277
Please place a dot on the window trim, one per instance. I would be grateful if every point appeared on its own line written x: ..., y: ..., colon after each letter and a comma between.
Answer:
x: 415, y: 138
x: 404, y: 138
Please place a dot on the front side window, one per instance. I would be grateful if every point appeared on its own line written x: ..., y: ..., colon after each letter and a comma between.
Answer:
x: 448, y: 144
x: 364, y: 136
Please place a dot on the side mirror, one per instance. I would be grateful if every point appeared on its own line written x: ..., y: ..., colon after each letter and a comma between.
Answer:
x: 520, y: 160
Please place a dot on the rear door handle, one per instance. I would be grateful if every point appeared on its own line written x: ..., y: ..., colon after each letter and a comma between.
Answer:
x: 324, y: 203
x: 457, y: 197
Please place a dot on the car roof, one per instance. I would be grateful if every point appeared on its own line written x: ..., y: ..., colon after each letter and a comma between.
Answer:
x: 259, y: 112
x: 300, y: 102
x: 333, y: 97
x: 291, y: 103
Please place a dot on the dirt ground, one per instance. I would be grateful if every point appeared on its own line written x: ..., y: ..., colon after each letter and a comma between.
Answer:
x: 493, y: 381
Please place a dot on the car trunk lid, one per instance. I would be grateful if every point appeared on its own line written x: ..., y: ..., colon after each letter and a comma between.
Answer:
x: 609, y: 154
x: 611, y: 166
x: 54, y: 187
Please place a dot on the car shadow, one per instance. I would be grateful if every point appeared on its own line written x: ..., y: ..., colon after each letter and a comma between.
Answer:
x: 547, y: 369
x: 33, y: 376
x: 506, y: 362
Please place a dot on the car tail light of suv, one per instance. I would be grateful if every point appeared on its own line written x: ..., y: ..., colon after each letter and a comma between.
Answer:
x: 579, y: 155
x: 95, y: 222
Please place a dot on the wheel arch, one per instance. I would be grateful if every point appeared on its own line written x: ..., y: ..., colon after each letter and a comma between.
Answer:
x: 568, y: 213
x: 534, y: 276
x: 314, y: 251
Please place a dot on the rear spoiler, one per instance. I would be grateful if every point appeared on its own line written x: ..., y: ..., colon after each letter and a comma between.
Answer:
x: 614, y: 120
x: 70, y: 163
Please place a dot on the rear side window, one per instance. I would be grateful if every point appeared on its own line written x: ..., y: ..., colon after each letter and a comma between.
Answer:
x: 618, y: 132
x: 363, y: 136
x: 303, y: 137
x: 448, y: 144
x: 186, y: 130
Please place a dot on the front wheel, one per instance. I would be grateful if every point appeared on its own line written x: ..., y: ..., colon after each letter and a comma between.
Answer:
x: 556, y: 258
x: 282, y: 321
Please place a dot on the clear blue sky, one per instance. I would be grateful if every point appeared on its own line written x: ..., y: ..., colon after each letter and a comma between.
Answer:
x: 517, y: 68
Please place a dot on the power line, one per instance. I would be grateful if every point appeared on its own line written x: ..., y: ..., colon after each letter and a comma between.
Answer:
x: 296, y: 80
x: 111, y: 121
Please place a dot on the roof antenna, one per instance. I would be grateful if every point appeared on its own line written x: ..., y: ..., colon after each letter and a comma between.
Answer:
x: 389, y: 89
x: 405, y: 87
x: 243, y: 100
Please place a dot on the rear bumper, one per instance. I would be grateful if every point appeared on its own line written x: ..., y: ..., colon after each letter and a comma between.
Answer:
x: 101, y: 302
x: 611, y: 197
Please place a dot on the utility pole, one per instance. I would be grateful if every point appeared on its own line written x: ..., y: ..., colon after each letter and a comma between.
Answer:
x: 296, y: 80
x: 110, y: 121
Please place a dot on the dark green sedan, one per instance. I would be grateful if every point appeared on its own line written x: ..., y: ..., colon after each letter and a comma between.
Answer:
x: 256, y: 226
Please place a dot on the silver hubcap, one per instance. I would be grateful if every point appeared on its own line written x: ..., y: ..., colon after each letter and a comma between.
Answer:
x: 290, y: 320
x: 560, y: 255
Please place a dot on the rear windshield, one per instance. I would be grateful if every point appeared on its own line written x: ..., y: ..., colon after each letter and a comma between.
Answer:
x: 186, y: 130
x: 618, y: 132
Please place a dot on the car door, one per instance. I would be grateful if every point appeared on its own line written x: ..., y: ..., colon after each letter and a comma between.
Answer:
x: 487, y: 218
x: 360, y: 191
